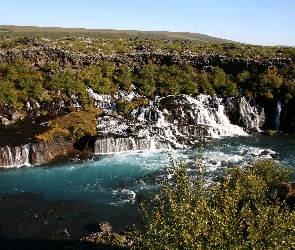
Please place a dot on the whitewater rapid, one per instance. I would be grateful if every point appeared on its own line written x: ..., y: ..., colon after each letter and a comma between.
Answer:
x: 119, y: 178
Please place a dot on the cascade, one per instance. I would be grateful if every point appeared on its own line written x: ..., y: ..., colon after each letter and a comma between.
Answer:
x: 15, y: 156
x: 152, y: 144
x: 277, y: 114
x: 176, y: 122
x: 108, y: 145
x: 245, y: 114
x: 249, y: 114
x: 168, y: 122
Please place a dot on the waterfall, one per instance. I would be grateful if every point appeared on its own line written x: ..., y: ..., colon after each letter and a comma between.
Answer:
x: 15, y: 156
x: 246, y: 114
x: 170, y: 122
x: 277, y: 115
x: 109, y: 145
x: 152, y: 144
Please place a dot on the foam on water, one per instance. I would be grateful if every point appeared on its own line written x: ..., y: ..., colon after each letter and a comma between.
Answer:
x: 118, y: 178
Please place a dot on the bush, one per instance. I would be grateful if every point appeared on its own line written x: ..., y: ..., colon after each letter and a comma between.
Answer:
x: 240, y: 212
x: 126, y: 107
x: 73, y: 126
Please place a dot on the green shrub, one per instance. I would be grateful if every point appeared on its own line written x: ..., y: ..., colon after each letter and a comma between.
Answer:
x: 126, y: 107
x: 240, y: 212
x: 74, y: 125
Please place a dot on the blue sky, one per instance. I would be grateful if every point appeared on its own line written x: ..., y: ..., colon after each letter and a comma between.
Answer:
x: 263, y: 22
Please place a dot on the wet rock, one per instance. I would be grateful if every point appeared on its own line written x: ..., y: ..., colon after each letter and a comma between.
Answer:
x: 10, y: 118
x: 243, y: 114
x: 172, y: 122
x: 288, y: 117
x: 36, y: 153
x: 41, y: 54
x: 45, y: 152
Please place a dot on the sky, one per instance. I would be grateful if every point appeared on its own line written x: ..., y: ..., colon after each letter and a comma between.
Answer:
x: 259, y: 22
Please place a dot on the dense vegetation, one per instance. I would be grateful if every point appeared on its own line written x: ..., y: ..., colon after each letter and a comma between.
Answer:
x: 22, y: 84
x: 250, y: 207
x: 243, y: 211
x: 19, y: 83
x: 74, y: 125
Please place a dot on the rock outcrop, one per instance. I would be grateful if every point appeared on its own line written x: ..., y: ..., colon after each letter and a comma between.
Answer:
x: 245, y: 114
x: 169, y: 122
x: 34, y: 154
x: 262, y: 114
x: 42, y: 54
x: 172, y: 122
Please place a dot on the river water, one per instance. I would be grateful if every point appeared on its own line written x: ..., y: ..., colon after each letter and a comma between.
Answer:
x: 110, y: 185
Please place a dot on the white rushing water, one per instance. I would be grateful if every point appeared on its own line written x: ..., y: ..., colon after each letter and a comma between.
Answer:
x: 176, y: 122
x: 109, y: 186
x: 117, y: 178
x: 130, y: 154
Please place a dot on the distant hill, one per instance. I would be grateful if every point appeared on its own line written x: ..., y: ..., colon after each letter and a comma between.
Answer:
x: 56, y: 32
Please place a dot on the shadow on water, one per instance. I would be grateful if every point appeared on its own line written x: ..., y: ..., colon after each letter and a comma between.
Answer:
x: 28, y: 221
x: 30, y: 244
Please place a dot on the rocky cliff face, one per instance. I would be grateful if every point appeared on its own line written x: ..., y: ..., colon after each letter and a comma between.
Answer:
x: 42, y: 54
x: 245, y: 114
x: 262, y: 114
x: 35, y: 153
x: 172, y: 122
x: 169, y: 122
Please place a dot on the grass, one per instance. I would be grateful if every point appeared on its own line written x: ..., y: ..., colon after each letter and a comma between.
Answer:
x: 56, y: 32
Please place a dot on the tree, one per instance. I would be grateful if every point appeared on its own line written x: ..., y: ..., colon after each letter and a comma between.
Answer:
x: 222, y: 83
x: 8, y: 95
x: 188, y: 84
x: 287, y: 91
x: 168, y: 80
x: 204, y: 83
x: 268, y: 83
x: 145, y: 81
x: 123, y: 77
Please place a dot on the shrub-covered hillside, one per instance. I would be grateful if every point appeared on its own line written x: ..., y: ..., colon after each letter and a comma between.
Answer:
x: 39, y: 72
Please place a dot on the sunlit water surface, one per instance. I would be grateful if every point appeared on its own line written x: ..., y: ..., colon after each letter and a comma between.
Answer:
x: 116, y: 180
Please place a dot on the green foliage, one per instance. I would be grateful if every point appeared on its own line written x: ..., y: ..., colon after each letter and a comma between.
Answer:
x: 268, y: 83
x: 222, y: 84
x: 240, y: 212
x: 126, y: 107
x: 74, y: 125
x: 123, y: 77
x: 7, y: 44
x: 146, y: 81
x: 287, y: 91
x: 173, y: 80
x: 8, y: 95
x: 204, y: 83
x: 168, y: 80
x: 188, y: 83
x: 99, y: 78
x: 45, y: 84
x: 19, y: 67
